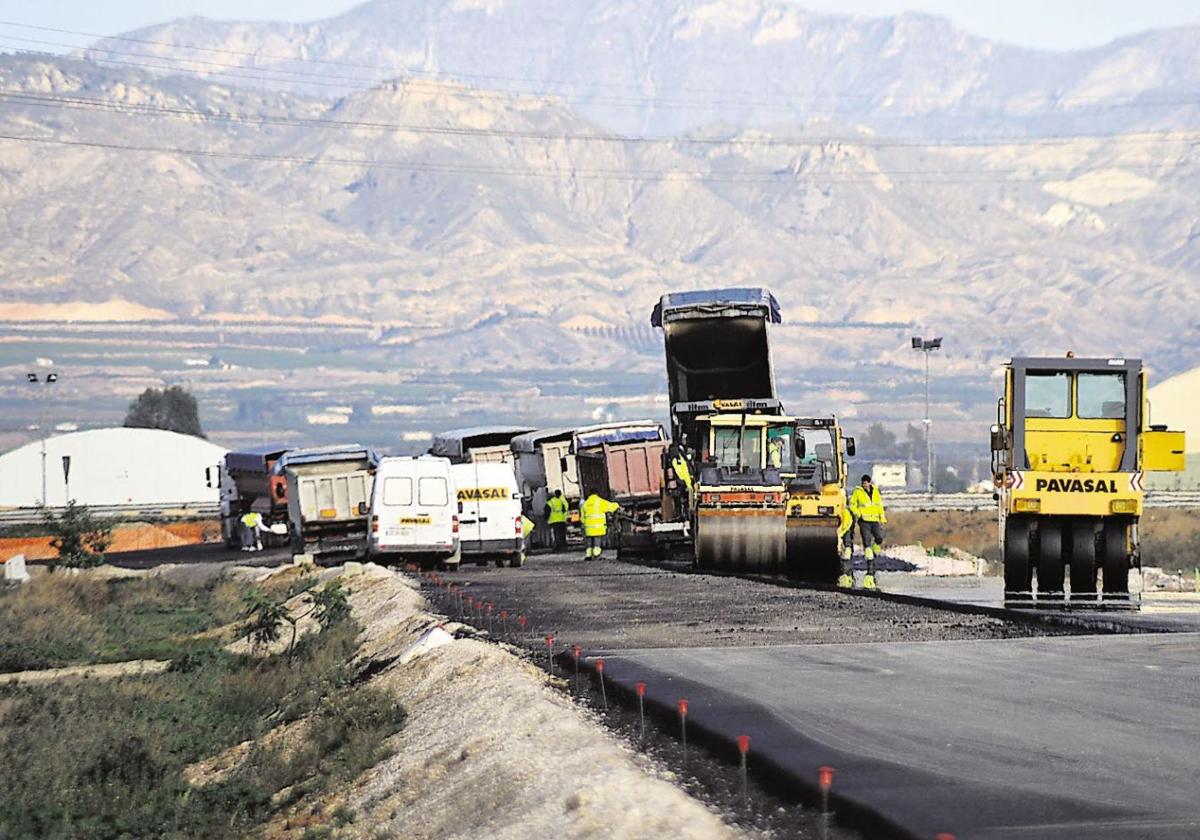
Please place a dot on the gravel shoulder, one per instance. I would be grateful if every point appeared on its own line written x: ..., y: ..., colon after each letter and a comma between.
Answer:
x: 493, y: 747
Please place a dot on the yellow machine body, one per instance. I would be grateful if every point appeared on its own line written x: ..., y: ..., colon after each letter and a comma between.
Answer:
x: 1069, y: 450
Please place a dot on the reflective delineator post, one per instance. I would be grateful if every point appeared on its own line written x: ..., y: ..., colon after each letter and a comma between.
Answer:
x: 489, y: 615
x: 825, y: 779
x: 522, y: 620
x: 550, y: 652
x: 603, y: 693
x: 683, y: 704
x: 743, y: 742
x: 504, y: 624
x: 945, y: 835
x: 575, y: 651
x: 641, y: 694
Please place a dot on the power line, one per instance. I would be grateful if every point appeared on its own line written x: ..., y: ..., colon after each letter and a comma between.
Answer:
x: 193, y: 114
x: 740, y: 104
x: 763, y: 177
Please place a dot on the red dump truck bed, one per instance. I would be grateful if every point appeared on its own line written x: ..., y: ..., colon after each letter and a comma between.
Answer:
x: 624, y: 473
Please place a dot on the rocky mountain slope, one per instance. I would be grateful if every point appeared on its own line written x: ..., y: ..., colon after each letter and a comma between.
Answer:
x: 668, y: 65
x: 480, y: 229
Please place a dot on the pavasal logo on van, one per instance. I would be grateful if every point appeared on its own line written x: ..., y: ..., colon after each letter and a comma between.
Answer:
x: 423, y: 519
x: 482, y: 494
x: 1077, y: 485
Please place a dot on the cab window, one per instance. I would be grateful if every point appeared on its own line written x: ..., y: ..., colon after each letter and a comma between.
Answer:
x: 819, y: 446
x: 1101, y: 396
x: 781, y: 449
x: 397, y: 491
x: 433, y: 491
x: 1048, y: 395
x: 728, y: 441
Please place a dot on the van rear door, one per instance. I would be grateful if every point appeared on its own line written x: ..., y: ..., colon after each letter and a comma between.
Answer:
x: 434, y: 509
x: 473, y: 516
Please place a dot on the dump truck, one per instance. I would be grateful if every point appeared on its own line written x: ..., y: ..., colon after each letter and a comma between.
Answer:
x: 724, y: 416
x: 329, y: 498
x: 477, y: 445
x: 248, y: 482
x: 623, y: 462
x: 1072, y: 440
x: 544, y: 463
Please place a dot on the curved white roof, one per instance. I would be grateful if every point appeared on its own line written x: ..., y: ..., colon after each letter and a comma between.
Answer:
x: 112, y: 467
x: 1176, y: 402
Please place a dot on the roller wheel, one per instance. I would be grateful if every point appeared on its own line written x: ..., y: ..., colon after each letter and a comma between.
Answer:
x: 1018, y: 573
x: 812, y: 555
x: 1116, y: 561
x: 1050, y: 571
x: 1083, y: 560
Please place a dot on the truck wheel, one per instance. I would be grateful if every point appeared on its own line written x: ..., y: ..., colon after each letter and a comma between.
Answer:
x: 1116, y: 561
x: 518, y: 560
x: 499, y: 563
x: 1018, y: 573
x: 1083, y: 560
x: 1050, y: 570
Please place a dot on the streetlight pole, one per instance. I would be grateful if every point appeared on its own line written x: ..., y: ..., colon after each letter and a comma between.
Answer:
x: 927, y: 347
x: 46, y: 382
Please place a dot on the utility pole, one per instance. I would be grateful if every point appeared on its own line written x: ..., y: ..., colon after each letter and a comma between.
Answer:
x: 45, y: 382
x: 927, y: 347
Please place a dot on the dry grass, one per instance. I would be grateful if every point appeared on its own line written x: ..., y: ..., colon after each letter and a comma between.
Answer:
x: 1170, y: 537
x: 59, y: 619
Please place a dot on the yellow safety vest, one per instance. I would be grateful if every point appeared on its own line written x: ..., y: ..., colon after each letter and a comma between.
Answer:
x: 680, y: 466
x: 867, y: 508
x: 558, y: 510
x: 846, y: 523
x: 593, y: 514
x: 251, y: 519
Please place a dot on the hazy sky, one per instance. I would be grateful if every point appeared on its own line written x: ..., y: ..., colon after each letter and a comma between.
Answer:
x: 1058, y: 24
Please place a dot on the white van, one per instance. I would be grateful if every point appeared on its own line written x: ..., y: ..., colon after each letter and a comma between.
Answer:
x: 490, y: 524
x: 414, y: 512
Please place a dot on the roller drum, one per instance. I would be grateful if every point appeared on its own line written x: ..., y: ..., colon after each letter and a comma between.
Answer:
x: 752, y: 541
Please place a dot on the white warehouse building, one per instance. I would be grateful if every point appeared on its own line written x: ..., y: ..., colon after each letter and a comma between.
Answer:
x: 112, y: 467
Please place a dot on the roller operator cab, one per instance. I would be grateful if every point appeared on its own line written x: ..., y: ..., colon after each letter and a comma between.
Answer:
x: 816, y: 492
x: 739, y: 501
x: 1072, y: 440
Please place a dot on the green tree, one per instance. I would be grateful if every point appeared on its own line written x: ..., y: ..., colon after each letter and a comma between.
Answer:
x: 329, y: 604
x: 877, y: 443
x: 80, y: 537
x: 264, y: 618
x: 173, y: 409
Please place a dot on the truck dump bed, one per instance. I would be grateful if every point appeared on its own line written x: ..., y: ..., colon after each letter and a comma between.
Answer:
x: 483, y: 444
x: 621, y: 461
x: 329, y: 493
x: 717, y: 345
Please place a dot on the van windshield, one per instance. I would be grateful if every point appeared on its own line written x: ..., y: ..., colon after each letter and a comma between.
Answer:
x: 397, y: 491
x: 433, y: 491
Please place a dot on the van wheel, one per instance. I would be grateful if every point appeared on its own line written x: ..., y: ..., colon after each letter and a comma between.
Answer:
x: 518, y: 560
x: 499, y: 563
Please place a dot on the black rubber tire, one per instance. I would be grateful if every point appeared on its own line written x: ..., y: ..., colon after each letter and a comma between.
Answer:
x: 1050, y: 568
x: 517, y: 561
x: 1018, y: 572
x: 1083, y: 559
x: 1115, y: 559
x: 499, y: 563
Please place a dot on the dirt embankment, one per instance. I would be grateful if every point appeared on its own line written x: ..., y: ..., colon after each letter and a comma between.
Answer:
x: 490, y: 749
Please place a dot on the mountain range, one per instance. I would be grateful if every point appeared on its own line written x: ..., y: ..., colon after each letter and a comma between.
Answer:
x: 504, y: 183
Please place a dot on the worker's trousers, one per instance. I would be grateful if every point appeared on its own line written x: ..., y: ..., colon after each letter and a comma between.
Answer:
x: 848, y: 551
x: 594, y: 547
x: 249, y: 537
x: 558, y: 530
x: 872, y: 539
